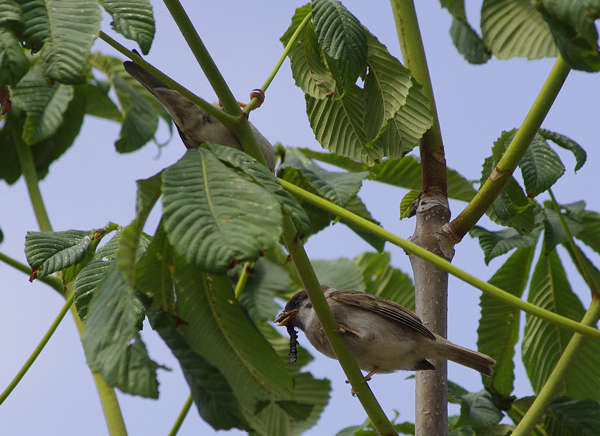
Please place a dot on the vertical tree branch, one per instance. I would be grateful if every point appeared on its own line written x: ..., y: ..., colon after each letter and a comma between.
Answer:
x: 431, y: 283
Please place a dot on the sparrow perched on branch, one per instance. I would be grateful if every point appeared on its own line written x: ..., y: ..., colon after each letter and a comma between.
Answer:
x: 383, y: 336
x: 194, y: 124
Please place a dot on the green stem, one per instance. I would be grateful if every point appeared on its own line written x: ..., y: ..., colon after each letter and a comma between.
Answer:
x: 330, y: 327
x: 576, y: 253
x: 28, y: 168
x: 487, y: 288
x: 224, y: 118
x: 182, y: 415
x: 501, y: 175
x: 433, y: 162
x: 557, y: 378
x: 52, y: 281
x: 279, y: 63
x: 38, y: 349
x: 242, y: 127
x: 241, y: 283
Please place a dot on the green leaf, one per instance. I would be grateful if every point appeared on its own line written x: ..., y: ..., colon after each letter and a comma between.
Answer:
x: 10, y: 14
x: 339, y: 274
x: 133, y: 19
x: 407, y: 202
x: 339, y: 188
x: 498, y: 330
x: 153, y: 275
x: 10, y: 134
x: 338, y: 125
x: 543, y: 343
x: 568, y: 144
x: 93, y: 271
x: 217, y: 328
x: 554, y: 231
x: 468, y: 43
x: 404, y: 173
x: 514, y: 28
x: 574, y: 32
x: 210, y: 390
x: 342, y: 38
x: 98, y: 103
x: 140, y: 109
x: 478, y: 410
x: 36, y: 25
x: 45, y: 105
x: 49, y: 252
x: 111, y: 341
x: 381, y: 279
x: 357, y: 207
x: 497, y: 243
x: 580, y: 417
x: 397, y: 112
x: 315, y: 392
x: 590, y: 234
x: 213, y: 216
x: 511, y: 201
x: 541, y: 167
x: 263, y: 177
x: 74, y: 26
x: 309, y: 70
x: 13, y: 61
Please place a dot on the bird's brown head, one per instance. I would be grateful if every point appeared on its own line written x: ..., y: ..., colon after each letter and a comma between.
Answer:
x: 289, y: 316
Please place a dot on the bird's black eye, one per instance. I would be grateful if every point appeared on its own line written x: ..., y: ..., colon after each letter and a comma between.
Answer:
x: 297, y: 303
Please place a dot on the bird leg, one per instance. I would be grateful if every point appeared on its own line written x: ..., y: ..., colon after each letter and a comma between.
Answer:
x: 345, y: 329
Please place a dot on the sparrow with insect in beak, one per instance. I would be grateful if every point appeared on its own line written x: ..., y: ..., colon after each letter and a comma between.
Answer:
x: 194, y: 124
x: 383, y: 336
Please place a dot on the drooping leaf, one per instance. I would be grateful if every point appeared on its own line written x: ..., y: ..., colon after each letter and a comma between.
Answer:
x: 382, y: 279
x: 574, y: 32
x: 568, y: 144
x: 13, y: 62
x: 543, y: 343
x: 210, y: 390
x: 112, y: 344
x: 217, y: 328
x: 342, y: 38
x: 202, y: 204
x: 468, y: 42
x: 497, y: 243
x: 580, y: 417
x: 590, y: 234
x: 44, y: 105
x: 477, y: 410
x: 498, y: 330
x: 397, y: 112
x: 98, y: 103
x: 307, y: 61
x: 49, y: 252
x: 339, y: 274
x: 514, y: 28
x: 541, y: 167
x: 407, y: 202
x: 338, y: 125
x: 140, y: 110
x: 74, y: 25
x: 404, y: 173
x: 264, y: 177
x: 554, y: 231
x: 339, y: 188
x: 357, y: 207
x: 133, y: 19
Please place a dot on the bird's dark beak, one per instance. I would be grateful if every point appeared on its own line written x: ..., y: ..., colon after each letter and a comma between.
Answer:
x: 284, y: 317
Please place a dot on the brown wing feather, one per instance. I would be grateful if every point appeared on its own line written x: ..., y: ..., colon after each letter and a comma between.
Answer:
x: 382, y: 307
